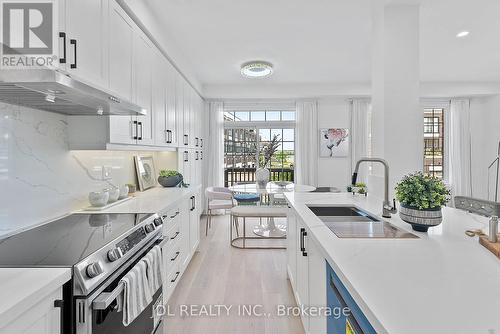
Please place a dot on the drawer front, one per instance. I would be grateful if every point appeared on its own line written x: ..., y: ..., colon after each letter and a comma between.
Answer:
x: 172, y: 259
x: 170, y: 218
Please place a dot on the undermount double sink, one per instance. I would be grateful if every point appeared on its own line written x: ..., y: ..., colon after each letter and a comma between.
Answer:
x: 351, y: 222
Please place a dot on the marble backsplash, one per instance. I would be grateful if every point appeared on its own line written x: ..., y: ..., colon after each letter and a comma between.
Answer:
x: 41, y: 179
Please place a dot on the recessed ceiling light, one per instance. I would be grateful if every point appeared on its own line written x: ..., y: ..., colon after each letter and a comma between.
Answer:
x: 256, y: 69
x: 463, y: 34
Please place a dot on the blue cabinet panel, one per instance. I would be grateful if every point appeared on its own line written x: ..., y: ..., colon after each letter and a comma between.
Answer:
x: 338, y: 298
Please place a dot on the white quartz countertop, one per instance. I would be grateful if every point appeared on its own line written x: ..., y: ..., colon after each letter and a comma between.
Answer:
x: 152, y: 200
x: 443, y: 282
x: 21, y: 288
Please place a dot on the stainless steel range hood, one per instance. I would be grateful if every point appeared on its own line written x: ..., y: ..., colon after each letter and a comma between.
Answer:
x: 53, y: 91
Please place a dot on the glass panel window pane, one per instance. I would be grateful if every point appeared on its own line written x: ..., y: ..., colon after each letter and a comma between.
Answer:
x: 265, y: 134
x: 288, y: 115
x: 228, y: 116
x: 272, y: 115
x: 241, y: 116
x: 288, y: 134
x: 276, y: 132
x: 258, y: 116
x: 289, y: 146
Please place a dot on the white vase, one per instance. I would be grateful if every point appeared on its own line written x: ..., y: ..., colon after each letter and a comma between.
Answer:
x: 262, y: 176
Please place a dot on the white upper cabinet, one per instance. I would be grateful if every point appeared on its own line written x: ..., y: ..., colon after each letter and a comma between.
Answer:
x: 86, y: 44
x: 142, y: 87
x: 179, y: 106
x: 120, y: 61
x: 172, y: 118
x: 159, y: 108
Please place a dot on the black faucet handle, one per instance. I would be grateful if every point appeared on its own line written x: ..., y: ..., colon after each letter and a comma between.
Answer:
x: 354, y: 178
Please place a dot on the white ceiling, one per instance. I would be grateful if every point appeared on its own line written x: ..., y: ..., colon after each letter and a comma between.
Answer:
x: 325, y: 41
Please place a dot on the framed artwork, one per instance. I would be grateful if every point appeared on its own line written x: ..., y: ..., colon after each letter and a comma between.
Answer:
x: 334, y: 143
x: 146, y: 173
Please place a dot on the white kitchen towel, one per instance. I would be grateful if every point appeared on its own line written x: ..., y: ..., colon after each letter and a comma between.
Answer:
x: 136, y: 294
x: 154, y: 262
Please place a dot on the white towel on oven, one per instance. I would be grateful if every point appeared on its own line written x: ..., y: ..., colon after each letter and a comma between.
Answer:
x: 136, y: 294
x: 154, y: 262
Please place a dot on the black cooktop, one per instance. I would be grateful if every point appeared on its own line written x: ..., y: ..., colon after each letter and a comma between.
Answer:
x: 66, y: 241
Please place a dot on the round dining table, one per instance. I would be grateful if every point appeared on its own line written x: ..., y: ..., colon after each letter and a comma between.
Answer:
x: 270, y: 229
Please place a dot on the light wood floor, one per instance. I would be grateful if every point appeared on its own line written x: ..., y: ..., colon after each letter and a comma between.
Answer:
x: 220, y: 274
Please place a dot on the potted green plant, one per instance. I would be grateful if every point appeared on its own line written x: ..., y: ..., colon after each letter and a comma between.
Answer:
x: 421, y: 197
x: 359, y: 188
x: 170, y: 178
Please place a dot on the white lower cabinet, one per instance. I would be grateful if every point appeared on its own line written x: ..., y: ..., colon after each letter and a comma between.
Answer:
x: 42, y: 318
x: 181, y: 233
x: 307, y: 273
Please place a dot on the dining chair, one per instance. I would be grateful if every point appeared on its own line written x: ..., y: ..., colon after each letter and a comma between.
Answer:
x: 218, y: 198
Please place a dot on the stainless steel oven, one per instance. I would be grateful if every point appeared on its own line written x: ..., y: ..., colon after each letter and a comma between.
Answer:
x: 97, y: 313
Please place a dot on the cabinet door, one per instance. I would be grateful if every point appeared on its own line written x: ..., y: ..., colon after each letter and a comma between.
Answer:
x: 41, y: 318
x: 121, y: 37
x: 185, y: 247
x: 89, y: 41
x: 317, y: 286
x: 171, y: 110
x: 291, y: 248
x: 302, y: 283
x: 187, y: 113
x: 159, y: 106
x: 194, y: 224
x: 179, y: 106
x: 142, y: 78
x: 122, y: 130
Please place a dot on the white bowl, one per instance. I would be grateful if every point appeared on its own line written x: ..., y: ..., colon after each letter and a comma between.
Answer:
x: 99, y: 198
x: 123, y: 192
x: 114, y: 193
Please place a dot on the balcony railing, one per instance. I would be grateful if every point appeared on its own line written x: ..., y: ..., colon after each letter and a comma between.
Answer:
x: 247, y: 175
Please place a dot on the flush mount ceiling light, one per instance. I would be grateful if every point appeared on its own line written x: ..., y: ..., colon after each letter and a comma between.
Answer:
x: 257, y: 69
x: 463, y: 34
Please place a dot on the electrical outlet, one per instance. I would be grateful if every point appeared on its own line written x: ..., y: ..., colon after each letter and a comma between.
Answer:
x: 106, y: 172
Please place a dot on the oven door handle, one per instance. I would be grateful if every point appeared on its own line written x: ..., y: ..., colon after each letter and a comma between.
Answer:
x: 104, y: 300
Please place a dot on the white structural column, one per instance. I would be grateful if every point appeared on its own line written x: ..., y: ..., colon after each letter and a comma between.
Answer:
x: 397, y: 121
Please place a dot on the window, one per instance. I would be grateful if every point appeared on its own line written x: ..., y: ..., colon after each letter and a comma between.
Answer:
x: 247, y: 134
x: 258, y: 116
x: 434, y: 142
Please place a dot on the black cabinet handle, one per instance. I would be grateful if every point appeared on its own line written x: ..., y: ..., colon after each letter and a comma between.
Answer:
x: 176, y: 276
x: 193, y: 203
x: 136, y: 130
x: 186, y: 139
x: 196, y: 141
x: 58, y: 303
x: 140, y: 124
x: 176, y: 256
x: 73, y: 42
x: 197, y: 155
x: 63, y: 36
x: 175, y: 215
x: 186, y: 156
x: 201, y: 142
x: 303, y: 234
x: 175, y: 236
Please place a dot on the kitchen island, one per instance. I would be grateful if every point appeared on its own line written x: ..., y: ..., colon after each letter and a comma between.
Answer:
x: 441, y: 282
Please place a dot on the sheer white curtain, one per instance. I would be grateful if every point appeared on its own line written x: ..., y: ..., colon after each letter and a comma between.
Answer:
x: 459, y: 157
x: 306, y: 142
x: 359, y: 135
x: 215, y: 156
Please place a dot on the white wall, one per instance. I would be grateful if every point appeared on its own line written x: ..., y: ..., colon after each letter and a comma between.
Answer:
x: 40, y: 179
x: 336, y: 172
x: 485, y: 133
